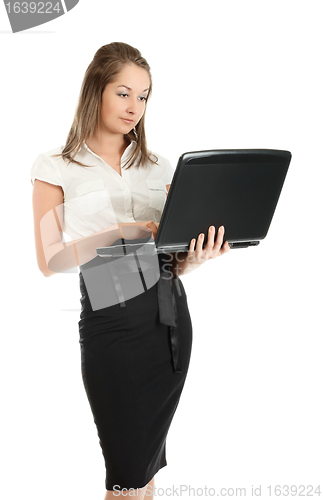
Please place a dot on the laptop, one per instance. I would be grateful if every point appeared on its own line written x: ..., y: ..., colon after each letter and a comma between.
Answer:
x: 236, y: 188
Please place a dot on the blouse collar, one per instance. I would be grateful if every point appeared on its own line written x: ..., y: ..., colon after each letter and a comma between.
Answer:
x: 124, y: 158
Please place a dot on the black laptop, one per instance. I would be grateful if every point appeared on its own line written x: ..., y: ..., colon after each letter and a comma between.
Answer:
x: 236, y: 188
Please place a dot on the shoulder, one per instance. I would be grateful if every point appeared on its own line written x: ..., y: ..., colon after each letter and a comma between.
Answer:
x: 48, y: 167
x: 162, y: 161
x: 163, y: 165
x: 49, y: 156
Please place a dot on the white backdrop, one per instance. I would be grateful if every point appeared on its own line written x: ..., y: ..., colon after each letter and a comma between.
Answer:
x: 225, y: 75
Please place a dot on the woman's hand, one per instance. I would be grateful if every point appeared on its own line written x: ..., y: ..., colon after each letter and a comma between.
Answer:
x: 199, y: 255
x: 211, y: 250
x: 136, y: 230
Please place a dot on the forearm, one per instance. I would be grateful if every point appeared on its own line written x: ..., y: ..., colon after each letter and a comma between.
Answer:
x: 62, y: 256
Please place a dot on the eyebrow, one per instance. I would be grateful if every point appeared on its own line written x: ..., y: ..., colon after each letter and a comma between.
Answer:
x: 130, y: 88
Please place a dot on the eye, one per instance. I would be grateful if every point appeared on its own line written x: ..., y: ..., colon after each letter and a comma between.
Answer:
x: 122, y: 95
x: 142, y: 98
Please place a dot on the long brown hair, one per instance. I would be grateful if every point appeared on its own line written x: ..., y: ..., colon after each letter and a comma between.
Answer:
x: 106, y: 64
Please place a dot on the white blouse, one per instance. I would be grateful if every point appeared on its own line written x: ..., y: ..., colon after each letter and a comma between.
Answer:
x: 96, y: 197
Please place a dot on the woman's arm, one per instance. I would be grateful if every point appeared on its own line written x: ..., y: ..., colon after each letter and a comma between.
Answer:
x: 54, y: 255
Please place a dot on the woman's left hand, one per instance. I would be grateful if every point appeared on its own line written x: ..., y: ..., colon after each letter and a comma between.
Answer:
x: 198, y: 255
x: 211, y: 250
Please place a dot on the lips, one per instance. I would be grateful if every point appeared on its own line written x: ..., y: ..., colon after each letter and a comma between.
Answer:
x: 126, y: 120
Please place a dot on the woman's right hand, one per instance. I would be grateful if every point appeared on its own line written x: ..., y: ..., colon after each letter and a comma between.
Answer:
x: 137, y: 230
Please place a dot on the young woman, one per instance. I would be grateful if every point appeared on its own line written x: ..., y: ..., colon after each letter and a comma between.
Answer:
x: 105, y: 185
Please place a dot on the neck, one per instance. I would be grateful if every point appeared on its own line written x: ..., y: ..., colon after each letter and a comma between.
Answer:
x: 112, y: 144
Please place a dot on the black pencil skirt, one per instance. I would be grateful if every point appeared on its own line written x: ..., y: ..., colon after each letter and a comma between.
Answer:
x: 134, y: 368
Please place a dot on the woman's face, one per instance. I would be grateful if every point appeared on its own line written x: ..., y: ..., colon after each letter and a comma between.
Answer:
x: 124, y: 100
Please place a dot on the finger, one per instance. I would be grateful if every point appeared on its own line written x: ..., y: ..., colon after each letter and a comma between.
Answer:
x: 210, y: 239
x: 199, y: 244
x: 219, y: 240
x: 192, y: 245
x: 191, y: 251
x: 154, y: 228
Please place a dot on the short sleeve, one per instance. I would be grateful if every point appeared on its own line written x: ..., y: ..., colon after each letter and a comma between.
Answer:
x: 45, y: 170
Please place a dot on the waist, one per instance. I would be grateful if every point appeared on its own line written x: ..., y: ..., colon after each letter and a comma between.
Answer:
x: 114, y: 280
x: 131, y: 262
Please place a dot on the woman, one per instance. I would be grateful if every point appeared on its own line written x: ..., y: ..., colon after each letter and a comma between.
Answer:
x: 105, y: 186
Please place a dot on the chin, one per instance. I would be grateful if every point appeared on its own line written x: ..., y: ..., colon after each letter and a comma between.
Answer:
x: 128, y: 127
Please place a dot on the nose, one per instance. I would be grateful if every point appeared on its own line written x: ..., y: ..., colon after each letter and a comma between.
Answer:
x: 133, y: 106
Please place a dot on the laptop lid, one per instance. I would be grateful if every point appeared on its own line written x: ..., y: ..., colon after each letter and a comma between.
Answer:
x: 236, y: 188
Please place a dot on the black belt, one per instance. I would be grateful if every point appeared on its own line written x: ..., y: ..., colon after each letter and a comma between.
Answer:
x: 168, y: 314
x: 166, y: 302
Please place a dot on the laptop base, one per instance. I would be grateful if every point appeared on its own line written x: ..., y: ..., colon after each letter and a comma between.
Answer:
x: 243, y: 244
x: 149, y: 248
